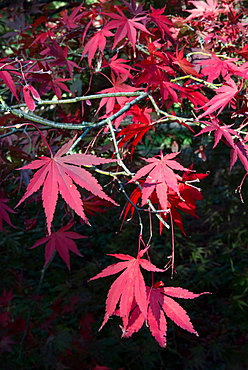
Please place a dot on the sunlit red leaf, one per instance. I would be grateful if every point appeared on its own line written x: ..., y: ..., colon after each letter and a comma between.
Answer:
x: 128, y: 286
x: 58, y: 175
x: 160, y: 176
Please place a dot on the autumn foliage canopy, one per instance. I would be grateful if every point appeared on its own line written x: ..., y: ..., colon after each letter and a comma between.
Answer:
x: 82, y: 89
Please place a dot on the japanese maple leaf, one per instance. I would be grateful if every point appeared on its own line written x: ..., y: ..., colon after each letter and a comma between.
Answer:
x: 225, y: 95
x: 118, y: 86
x: 239, y: 151
x: 167, y: 89
x: 136, y: 131
x: 125, y: 27
x: 160, y: 176
x: 192, y: 93
x: 57, y: 174
x: 153, y: 71
x: 161, y: 305
x: 58, y: 85
x: 189, y: 194
x: 219, y: 131
x: 128, y: 286
x: 184, y: 64
x: 98, y: 41
x: 162, y: 22
x: 61, y: 56
x: 214, y: 67
x: 93, y: 205
x: 41, y: 37
x: 186, y: 202
x: 118, y: 66
x: 243, y: 52
x: 4, y: 216
x: 6, y: 77
x: 204, y: 9
x: 61, y: 241
x: 70, y: 21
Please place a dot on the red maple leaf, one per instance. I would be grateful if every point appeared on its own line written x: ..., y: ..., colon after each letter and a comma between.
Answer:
x: 162, y: 22
x: 153, y: 70
x: 160, y: 306
x: 128, y: 286
x: 93, y: 205
x: 125, y: 27
x: 184, y: 64
x: 62, y: 241
x: 136, y: 131
x: 98, y: 41
x: 214, y: 67
x: 225, y: 95
x: 6, y: 77
x: 160, y: 177
x: 192, y: 93
x: 4, y: 209
x: 57, y: 85
x: 186, y: 202
x: 219, y: 131
x: 118, y: 66
x: 243, y: 52
x: 71, y: 21
x: 57, y: 175
x: 118, y: 86
x: 239, y: 151
x: 204, y: 9
x: 189, y: 194
x: 61, y: 56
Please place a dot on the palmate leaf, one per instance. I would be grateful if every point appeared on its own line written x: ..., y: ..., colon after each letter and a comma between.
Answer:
x: 125, y: 27
x: 58, y: 175
x: 161, y: 305
x: 219, y: 131
x: 118, y: 86
x: 4, y: 216
x: 128, y: 286
x: 6, y: 77
x: 225, y: 95
x: 98, y: 41
x: 185, y: 202
x: 62, y: 241
x: 162, y: 22
x: 160, y: 176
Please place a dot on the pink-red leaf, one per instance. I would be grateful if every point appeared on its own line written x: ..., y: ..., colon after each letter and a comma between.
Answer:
x: 125, y: 27
x: 160, y: 176
x: 98, y: 41
x: 225, y: 95
x: 58, y: 175
x: 62, y: 241
x: 128, y: 286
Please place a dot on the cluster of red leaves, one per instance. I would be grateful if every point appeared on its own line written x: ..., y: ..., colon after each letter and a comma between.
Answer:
x: 139, y: 303
x: 169, y: 196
